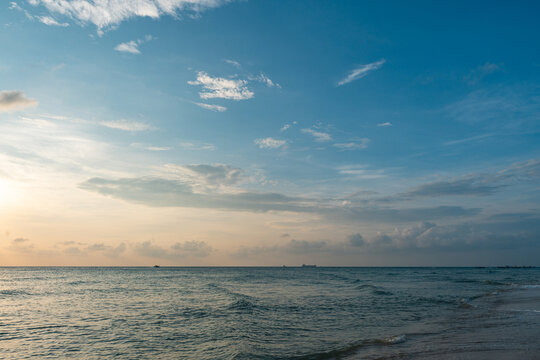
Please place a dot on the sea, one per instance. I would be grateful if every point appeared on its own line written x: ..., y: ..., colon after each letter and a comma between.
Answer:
x: 269, y: 313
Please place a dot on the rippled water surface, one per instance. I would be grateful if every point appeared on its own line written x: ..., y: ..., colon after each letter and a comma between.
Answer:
x: 269, y: 313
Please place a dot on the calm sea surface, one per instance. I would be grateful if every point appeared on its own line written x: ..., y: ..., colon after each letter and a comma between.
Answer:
x: 269, y: 313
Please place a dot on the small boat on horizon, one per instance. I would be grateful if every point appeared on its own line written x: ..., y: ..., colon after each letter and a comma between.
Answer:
x: 156, y: 266
x: 308, y: 266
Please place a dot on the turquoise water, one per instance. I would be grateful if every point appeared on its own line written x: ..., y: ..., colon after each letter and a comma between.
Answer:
x: 269, y: 313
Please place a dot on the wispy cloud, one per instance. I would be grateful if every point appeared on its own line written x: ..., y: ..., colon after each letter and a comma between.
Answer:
x: 361, y: 71
x: 318, y: 135
x: 360, y: 172
x: 501, y: 107
x: 47, y: 20
x: 36, y: 148
x: 132, y: 46
x: 221, y: 88
x: 354, y: 145
x: 469, y: 139
x: 480, y: 72
x: 36, y: 122
x: 126, y: 125
x: 109, y: 14
x: 287, y: 126
x: 197, y: 147
x: 262, y: 78
x: 211, y: 107
x: 471, y: 185
x: 14, y: 6
x: 270, y: 143
x: 150, y: 148
x: 11, y: 100
x: 234, y: 63
x: 384, y: 124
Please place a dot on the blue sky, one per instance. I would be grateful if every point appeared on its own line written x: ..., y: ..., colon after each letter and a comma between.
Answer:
x: 256, y: 132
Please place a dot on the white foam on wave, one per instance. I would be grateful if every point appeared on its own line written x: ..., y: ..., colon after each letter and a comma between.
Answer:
x: 395, y: 340
x: 526, y: 310
x: 531, y: 286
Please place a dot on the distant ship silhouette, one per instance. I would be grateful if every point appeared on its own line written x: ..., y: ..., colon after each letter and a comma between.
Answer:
x: 156, y: 266
x: 308, y: 266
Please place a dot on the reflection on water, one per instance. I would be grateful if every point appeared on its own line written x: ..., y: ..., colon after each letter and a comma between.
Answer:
x: 268, y: 313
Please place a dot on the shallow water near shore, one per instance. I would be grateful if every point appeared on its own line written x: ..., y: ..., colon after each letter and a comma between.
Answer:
x: 269, y: 313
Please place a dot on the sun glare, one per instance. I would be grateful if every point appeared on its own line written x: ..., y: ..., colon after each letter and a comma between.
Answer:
x: 2, y: 190
x: 7, y: 192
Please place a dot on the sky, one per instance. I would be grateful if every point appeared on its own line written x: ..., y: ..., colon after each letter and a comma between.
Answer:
x: 247, y: 133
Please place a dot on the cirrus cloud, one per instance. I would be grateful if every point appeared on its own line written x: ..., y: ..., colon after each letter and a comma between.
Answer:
x: 353, y: 145
x: 126, y: 125
x: 318, y: 135
x: 212, y: 107
x: 361, y: 71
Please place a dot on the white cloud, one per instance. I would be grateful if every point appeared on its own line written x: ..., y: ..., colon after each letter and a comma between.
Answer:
x: 361, y: 71
x: 385, y: 124
x: 109, y: 14
x: 150, y: 148
x: 319, y: 136
x: 58, y: 67
x: 221, y: 88
x: 469, y: 139
x: 14, y: 6
x: 196, y: 147
x: 265, y: 80
x: 36, y: 122
x: 34, y: 149
x: 11, y: 100
x: 158, y: 148
x: 360, y: 172
x: 47, y: 20
x: 234, y: 63
x: 211, y: 107
x: 354, y: 145
x: 132, y: 46
x: 287, y: 126
x: 270, y: 143
x: 126, y: 125
x: 482, y: 71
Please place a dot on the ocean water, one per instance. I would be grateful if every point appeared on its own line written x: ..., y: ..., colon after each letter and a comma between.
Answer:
x: 269, y: 313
